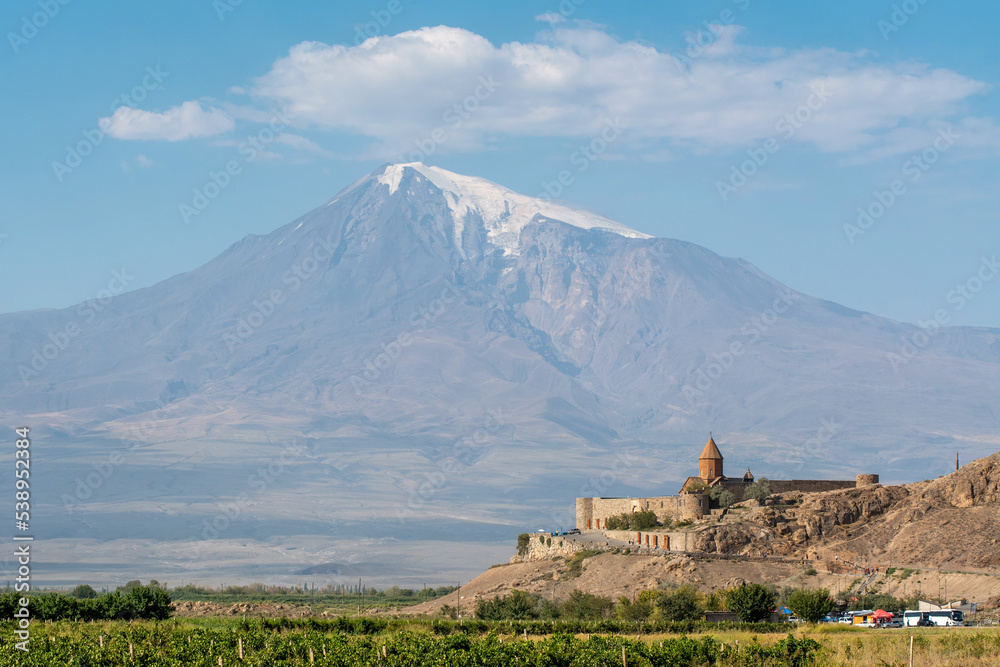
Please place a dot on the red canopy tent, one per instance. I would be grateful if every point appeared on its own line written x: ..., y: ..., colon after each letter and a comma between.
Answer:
x: 881, y: 615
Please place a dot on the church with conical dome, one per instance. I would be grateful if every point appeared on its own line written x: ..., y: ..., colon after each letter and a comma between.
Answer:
x: 710, y: 471
x: 695, y: 500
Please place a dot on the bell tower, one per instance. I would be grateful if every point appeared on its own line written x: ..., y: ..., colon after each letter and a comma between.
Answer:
x: 710, y: 461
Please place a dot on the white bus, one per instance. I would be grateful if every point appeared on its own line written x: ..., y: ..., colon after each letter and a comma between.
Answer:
x: 942, y: 617
x: 947, y: 617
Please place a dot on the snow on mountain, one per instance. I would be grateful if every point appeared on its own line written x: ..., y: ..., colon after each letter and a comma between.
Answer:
x: 504, y: 213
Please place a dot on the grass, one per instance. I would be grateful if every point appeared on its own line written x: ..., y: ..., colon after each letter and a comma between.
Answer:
x: 575, y: 564
x: 847, y: 646
x: 843, y: 645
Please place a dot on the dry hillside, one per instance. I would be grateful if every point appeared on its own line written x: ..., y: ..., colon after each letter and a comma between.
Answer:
x: 945, y: 530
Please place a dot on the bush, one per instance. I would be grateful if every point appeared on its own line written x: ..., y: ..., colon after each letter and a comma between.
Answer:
x: 810, y: 606
x: 759, y: 491
x: 635, y: 521
x: 683, y: 604
x: 644, y: 520
x: 522, y: 543
x: 517, y: 606
x: 722, y: 496
x: 750, y: 602
x: 585, y: 606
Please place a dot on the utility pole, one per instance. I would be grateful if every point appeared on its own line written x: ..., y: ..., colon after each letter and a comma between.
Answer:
x: 458, y: 594
x: 359, y: 596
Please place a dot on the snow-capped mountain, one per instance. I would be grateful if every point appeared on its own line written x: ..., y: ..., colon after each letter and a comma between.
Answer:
x: 453, y: 359
x: 502, y: 213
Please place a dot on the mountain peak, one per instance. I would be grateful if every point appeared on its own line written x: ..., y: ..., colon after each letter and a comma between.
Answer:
x: 504, y: 213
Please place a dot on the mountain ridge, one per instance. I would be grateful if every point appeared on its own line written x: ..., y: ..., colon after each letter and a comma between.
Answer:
x: 382, y: 332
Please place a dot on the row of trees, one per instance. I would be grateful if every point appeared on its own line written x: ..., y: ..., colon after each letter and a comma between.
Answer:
x: 257, y: 591
x: 85, y: 604
x: 522, y: 606
x: 750, y: 602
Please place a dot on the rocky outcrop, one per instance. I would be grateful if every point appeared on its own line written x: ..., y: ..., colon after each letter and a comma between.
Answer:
x: 727, y: 538
x: 976, y: 484
x: 950, y: 521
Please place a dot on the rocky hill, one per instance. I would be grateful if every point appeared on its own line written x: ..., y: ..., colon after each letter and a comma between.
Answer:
x: 940, y: 536
x: 950, y: 522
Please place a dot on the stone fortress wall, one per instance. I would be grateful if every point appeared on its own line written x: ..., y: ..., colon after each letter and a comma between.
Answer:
x: 736, y: 487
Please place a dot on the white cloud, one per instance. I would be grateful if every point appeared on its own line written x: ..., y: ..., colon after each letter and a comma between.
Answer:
x: 187, y: 121
x: 399, y: 89
x: 140, y: 161
x: 551, y: 17
x: 302, y: 144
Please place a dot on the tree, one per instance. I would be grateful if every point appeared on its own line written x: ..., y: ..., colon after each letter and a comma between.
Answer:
x: 696, y: 486
x: 83, y: 592
x: 585, y: 606
x: 722, y: 496
x: 750, y: 602
x: 146, y: 602
x: 523, y: 540
x: 759, y: 491
x: 810, y: 606
x: 682, y: 604
x: 644, y: 520
x: 641, y: 609
x: 882, y: 601
x: 518, y: 606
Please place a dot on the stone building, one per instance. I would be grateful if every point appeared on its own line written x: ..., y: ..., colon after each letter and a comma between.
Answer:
x: 693, y: 501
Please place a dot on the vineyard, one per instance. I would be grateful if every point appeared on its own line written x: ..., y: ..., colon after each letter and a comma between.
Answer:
x: 170, y: 644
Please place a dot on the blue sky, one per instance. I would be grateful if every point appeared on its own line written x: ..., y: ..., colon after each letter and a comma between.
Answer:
x: 757, y: 129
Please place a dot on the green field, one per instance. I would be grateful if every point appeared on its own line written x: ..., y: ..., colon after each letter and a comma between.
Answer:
x: 350, y: 642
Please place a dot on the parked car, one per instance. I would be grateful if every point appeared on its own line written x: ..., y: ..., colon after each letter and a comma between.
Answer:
x: 575, y: 531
